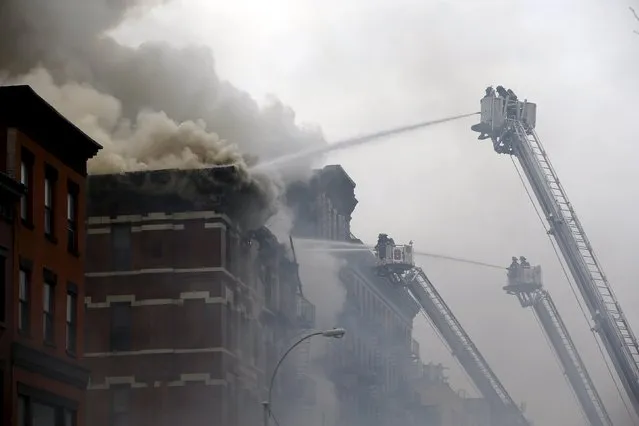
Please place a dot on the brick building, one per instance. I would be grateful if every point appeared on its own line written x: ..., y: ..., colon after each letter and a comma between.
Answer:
x: 186, y: 309
x: 371, y: 367
x: 40, y: 348
x: 10, y: 192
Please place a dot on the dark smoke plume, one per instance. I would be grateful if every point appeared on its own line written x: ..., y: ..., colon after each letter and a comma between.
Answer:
x: 152, y: 107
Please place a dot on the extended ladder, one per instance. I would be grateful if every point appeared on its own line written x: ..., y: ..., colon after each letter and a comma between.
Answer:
x: 463, y: 348
x: 563, y: 346
x: 611, y: 323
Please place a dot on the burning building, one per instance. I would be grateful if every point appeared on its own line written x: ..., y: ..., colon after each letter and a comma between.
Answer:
x: 371, y: 368
x: 43, y: 170
x: 188, y: 304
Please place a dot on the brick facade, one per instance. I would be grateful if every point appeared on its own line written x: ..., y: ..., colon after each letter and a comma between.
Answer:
x: 41, y: 349
x: 186, y: 311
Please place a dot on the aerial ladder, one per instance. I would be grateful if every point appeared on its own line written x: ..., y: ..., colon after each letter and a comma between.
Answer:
x: 510, y: 124
x: 396, y: 263
x: 525, y: 283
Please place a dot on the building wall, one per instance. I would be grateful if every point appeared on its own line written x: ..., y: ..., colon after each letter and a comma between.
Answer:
x: 167, y: 313
x: 370, y: 366
x: 187, y: 315
x: 9, y: 197
x: 41, y: 353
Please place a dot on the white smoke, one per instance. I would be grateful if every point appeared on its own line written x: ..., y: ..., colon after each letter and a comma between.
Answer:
x: 319, y: 273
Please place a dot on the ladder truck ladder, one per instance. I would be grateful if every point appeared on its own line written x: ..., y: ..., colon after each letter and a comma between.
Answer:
x: 463, y: 348
x: 531, y: 294
x: 510, y: 125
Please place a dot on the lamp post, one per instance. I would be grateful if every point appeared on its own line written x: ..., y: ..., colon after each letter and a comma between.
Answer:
x: 335, y: 333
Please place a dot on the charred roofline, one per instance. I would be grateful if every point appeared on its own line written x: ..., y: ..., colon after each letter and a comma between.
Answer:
x: 21, y: 107
x: 219, y: 189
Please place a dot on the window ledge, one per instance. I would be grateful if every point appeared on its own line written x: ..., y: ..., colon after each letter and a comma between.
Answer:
x: 27, y: 224
x: 51, y: 238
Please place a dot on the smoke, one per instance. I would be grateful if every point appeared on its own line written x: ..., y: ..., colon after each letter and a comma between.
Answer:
x: 319, y: 273
x: 151, y: 107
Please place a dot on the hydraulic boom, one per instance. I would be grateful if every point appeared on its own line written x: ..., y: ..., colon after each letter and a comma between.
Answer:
x: 525, y: 283
x: 396, y: 263
x: 510, y: 124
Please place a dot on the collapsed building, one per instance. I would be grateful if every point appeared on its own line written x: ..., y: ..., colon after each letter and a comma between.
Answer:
x: 187, y: 311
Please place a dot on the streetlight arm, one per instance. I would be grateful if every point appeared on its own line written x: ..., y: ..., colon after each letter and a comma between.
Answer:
x: 283, y: 357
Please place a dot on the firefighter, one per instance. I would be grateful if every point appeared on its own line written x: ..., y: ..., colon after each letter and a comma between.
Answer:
x: 513, y: 270
x: 382, y: 242
x: 502, y: 92
x: 524, y: 263
x: 490, y: 92
x: 514, y: 264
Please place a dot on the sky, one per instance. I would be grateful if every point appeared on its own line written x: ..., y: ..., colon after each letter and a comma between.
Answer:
x: 359, y: 66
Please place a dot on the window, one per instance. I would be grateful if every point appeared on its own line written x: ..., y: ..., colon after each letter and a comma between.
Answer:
x: 72, y: 217
x: 50, y: 178
x: 35, y: 413
x: 26, y: 178
x: 120, y: 406
x: 120, y: 327
x: 121, y: 246
x: 72, y: 320
x: 48, y: 298
x: 23, y: 300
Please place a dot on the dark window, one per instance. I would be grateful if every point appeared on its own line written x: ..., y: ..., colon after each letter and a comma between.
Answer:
x: 121, y: 246
x: 120, y: 406
x: 50, y: 180
x: 48, y: 305
x: 4, y: 284
x: 23, y: 411
x: 26, y: 178
x: 121, y: 327
x: 72, y: 217
x: 7, y: 210
x: 35, y: 413
x: 23, y: 300
x: 72, y: 320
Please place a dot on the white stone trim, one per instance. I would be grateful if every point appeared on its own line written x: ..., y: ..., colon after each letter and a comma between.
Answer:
x: 211, y: 269
x: 158, y: 227
x: 157, y: 216
x: 213, y: 225
x: 117, y: 380
x: 197, y: 377
x: 182, y: 381
x: 98, y: 231
x: 131, y: 298
x: 218, y: 349
x: 158, y: 271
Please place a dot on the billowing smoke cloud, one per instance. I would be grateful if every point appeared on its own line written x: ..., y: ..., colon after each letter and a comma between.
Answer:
x: 151, y: 141
x: 151, y: 107
x: 319, y: 273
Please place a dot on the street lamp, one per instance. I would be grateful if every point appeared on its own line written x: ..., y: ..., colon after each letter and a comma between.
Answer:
x: 335, y: 333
